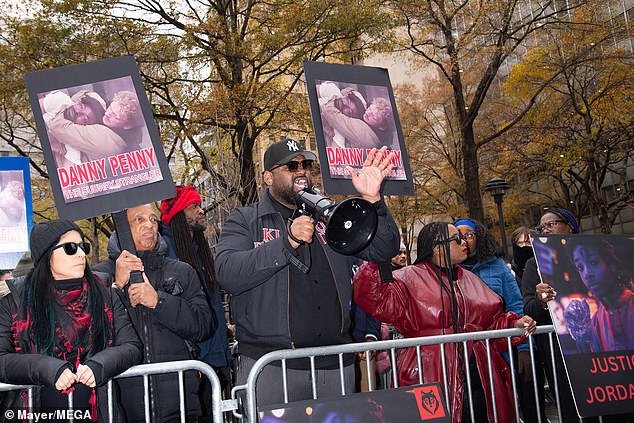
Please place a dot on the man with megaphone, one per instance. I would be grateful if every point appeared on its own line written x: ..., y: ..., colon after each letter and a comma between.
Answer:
x: 290, y: 288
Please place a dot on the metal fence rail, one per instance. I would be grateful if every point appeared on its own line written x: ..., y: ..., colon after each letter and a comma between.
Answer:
x: 392, y: 346
x: 147, y: 370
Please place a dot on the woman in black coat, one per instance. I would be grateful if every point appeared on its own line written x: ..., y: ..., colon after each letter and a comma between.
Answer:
x: 62, y: 327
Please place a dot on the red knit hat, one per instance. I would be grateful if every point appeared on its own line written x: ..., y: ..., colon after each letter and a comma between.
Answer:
x: 185, y: 197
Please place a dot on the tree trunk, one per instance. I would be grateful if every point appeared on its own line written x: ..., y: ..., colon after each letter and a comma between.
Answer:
x: 470, y: 167
x: 604, y: 219
x: 249, y: 190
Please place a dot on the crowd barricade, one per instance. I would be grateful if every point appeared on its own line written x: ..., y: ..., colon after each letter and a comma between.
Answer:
x: 250, y: 406
x: 147, y: 370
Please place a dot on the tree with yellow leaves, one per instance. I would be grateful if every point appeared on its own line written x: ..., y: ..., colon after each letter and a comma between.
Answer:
x: 579, y: 136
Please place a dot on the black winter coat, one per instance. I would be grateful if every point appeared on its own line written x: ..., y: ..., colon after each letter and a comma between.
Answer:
x: 252, y: 263
x: 22, y: 368
x: 180, y: 318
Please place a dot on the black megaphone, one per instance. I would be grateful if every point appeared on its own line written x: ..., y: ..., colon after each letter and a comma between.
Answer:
x: 350, y: 224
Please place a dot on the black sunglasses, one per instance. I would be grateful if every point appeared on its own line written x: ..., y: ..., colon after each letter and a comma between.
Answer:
x: 70, y: 248
x: 459, y: 240
x: 293, y: 165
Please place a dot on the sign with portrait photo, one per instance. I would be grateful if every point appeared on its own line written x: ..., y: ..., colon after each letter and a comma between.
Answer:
x: 593, y: 315
x: 353, y: 111
x: 99, y: 138
x: 419, y: 403
x: 16, y: 212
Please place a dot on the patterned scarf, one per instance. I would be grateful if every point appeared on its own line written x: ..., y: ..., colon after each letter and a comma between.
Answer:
x: 72, y: 324
x: 73, y: 330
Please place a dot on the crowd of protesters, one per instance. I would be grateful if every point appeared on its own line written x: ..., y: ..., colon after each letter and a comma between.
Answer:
x: 67, y: 327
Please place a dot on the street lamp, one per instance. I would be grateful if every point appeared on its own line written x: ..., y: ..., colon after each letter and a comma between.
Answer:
x: 497, y: 187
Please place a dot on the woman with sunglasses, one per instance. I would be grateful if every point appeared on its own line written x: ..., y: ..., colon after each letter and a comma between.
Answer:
x: 486, y: 261
x: 61, y: 326
x: 435, y: 296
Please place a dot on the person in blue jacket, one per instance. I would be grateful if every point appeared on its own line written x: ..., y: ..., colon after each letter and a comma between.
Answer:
x: 184, y: 231
x: 486, y: 262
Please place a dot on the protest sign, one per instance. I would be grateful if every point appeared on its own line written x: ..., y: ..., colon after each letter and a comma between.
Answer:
x: 353, y: 111
x: 16, y: 215
x: 99, y: 139
x: 593, y: 315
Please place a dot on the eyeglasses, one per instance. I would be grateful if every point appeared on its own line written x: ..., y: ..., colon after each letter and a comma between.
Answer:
x: 293, y: 165
x: 468, y: 236
x: 70, y: 248
x: 548, y: 225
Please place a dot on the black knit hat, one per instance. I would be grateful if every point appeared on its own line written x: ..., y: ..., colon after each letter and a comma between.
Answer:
x: 45, y: 235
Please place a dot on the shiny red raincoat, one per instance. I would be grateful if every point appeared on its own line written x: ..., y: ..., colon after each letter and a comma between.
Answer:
x: 413, y: 304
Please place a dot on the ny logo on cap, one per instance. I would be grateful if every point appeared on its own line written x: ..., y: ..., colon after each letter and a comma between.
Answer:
x: 292, y: 145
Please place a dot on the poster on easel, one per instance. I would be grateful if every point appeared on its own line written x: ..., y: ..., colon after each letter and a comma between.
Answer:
x: 16, y: 210
x: 593, y: 315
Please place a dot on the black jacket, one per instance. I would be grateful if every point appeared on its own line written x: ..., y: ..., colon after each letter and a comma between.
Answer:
x: 252, y: 263
x: 532, y: 305
x: 181, y: 317
x: 20, y: 368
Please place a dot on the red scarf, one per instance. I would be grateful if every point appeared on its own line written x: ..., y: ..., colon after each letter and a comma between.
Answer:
x: 73, y: 330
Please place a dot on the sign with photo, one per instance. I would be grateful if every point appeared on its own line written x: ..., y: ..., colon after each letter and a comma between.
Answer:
x: 99, y: 138
x: 593, y: 315
x: 16, y: 213
x: 420, y: 403
x: 353, y: 111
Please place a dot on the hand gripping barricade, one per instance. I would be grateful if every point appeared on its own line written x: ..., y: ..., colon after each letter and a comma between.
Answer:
x: 250, y: 406
x: 145, y: 371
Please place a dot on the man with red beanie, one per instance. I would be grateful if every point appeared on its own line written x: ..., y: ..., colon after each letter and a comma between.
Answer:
x: 184, y: 232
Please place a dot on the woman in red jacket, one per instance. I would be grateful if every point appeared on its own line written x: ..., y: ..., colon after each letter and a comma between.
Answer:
x: 434, y: 296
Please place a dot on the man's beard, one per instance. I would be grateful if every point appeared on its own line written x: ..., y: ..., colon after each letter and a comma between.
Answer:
x: 288, y: 194
x: 196, y: 226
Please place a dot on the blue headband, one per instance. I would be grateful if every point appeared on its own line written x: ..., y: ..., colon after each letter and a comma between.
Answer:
x: 466, y: 222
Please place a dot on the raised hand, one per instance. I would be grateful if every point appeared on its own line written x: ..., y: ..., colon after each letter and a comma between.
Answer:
x: 367, y: 180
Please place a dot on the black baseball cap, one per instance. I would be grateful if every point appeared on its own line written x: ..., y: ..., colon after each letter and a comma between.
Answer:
x: 283, y: 151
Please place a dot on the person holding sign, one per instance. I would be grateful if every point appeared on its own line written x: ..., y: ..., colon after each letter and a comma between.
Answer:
x: 169, y: 311
x: 435, y: 296
x: 278, y: 300
x: 611, y: 327
x: 63, y: 327
x: 536, y: 296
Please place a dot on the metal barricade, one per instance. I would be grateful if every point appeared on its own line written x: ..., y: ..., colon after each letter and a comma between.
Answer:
x: 393, y: 345
x: 147, y: 370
